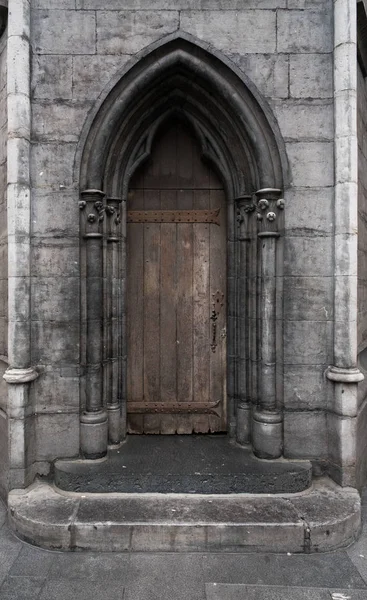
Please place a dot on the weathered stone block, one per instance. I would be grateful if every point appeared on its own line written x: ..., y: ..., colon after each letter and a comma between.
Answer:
x: 300, y: 120
x: 55, y: 213
x: 57, y: 257
x: 304, y: 31
x: 52, y: 165
x: 179, y: 4
x: 52, y: 393
x: 58, y: 121
x: 127, y: 32
x: 305, y: 387
x: 309, y: 211
x: 52, y: 77
x: 55, y: 343
x: 63, y: 32
x: 308, y: 256
x: 268, y: 72
x: 55, y: 4
x: 64, y: 441
x: 311, y: 163
x: 19, y: 298
x: 311, y: 75
x: 361, y: 470
x: 308, y: 298
x: 310, y: 4
x: 307, y: 342
x: 342, y: 439
x: 55, y: 298
x: 92, y: 73
x: 305, y: 435
x: 225, y: 29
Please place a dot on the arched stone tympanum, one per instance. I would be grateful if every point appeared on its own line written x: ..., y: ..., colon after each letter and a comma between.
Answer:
x: 238, y: 138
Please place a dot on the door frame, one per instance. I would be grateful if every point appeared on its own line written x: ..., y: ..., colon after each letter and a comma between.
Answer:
x: 239, y: 136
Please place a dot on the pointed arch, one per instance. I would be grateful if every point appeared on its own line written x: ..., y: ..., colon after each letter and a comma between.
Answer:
x: 180, y: 78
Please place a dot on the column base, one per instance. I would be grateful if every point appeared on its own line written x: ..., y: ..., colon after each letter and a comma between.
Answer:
x: 267, y: 434
x: 93, y: 434
x: 243, y: 423
x: 114, y: 421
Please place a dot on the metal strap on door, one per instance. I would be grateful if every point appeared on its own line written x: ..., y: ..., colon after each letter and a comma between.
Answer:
x: 173, y: 216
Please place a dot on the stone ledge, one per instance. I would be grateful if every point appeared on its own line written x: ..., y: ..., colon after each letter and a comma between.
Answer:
x: 324, y: 518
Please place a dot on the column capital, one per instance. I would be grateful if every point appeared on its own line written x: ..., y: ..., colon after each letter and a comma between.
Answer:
x: 12, y: 375
x: 92, y: 212
x: 113, y: 218
x: 245, y: 207
x: 340, y: 375
x: 270, y: 206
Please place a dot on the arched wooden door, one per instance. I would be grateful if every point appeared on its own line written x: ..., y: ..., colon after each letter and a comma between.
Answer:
x: 176, y: 291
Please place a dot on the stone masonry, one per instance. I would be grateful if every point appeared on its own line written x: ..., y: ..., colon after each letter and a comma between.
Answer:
x: 297, y: 61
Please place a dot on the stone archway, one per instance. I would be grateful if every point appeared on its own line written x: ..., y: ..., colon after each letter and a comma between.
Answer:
x: 181, y: 80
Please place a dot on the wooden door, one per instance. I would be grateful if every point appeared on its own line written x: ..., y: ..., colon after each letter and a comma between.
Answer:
x: 176, y: 291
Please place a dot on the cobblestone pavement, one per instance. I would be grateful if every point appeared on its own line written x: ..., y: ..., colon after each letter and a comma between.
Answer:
x: 27, y: 573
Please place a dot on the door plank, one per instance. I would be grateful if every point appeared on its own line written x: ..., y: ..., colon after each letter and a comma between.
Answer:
x: 201, y: 308
x: 218, y: 284
x: 152, y: 240
x: 135, y: 310
x: 168, y: 303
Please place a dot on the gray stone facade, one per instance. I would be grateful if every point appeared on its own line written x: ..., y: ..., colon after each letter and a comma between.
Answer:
x: 294, y: 62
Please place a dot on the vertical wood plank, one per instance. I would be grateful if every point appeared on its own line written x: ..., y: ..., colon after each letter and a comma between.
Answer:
x: 168, y: 311
x: 152, y: 255
x: 201, y: 302
x: 218, y: 284
x: 135, y: 310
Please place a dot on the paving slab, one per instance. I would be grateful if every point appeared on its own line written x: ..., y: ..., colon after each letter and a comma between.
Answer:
x: 182, y: 464
x: 323, y: 570
x: 216, y: 591
x: 94, y: 567
x: 161, y: 577
x: 21, y: 588
x: 81, y: 590
x: 32, y: 562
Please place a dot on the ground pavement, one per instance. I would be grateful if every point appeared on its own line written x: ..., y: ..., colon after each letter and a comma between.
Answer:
x: 27, y: 573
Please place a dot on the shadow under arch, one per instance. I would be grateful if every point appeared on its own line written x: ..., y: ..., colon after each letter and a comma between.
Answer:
x: 183, y: 79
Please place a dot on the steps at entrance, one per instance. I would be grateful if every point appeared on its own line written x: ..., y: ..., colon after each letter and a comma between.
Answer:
x: 209, y: 464
x: 323, y: 518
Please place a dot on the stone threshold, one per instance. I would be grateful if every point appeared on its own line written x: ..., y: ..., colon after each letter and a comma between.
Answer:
x: 183, y: 464
x: 323, y: 518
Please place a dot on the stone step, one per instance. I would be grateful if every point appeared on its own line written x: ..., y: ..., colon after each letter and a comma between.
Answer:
x: 210, y: 464
x: 323, y: 518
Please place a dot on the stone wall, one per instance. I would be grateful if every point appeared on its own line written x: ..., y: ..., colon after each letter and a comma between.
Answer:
x: 3, y: 266
x: 362, y: 273
x: 285, y: 49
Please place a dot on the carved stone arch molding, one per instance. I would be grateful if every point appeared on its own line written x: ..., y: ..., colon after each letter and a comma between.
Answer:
x: 180, y: 79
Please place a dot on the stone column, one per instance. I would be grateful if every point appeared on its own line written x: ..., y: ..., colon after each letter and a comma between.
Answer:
x: 245, y: 207
x: 93, y: 421
x: 122, y: 346
x: 20, y: 373
x: 114, y: 321
x: 267, y: 419
x: 344, y: 373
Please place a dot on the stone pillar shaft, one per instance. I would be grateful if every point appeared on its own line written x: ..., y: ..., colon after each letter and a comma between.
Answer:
x: 20, y: 373
x: 94, y: 420
x: 267, y: 419
x: 344, y: 374
x: 114, y: 322
x: 122, y: 322
x: 245, y: 207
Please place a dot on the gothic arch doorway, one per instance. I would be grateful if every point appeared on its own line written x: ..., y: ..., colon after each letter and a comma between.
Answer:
x: 176, y: 290
x: 219, y: 118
